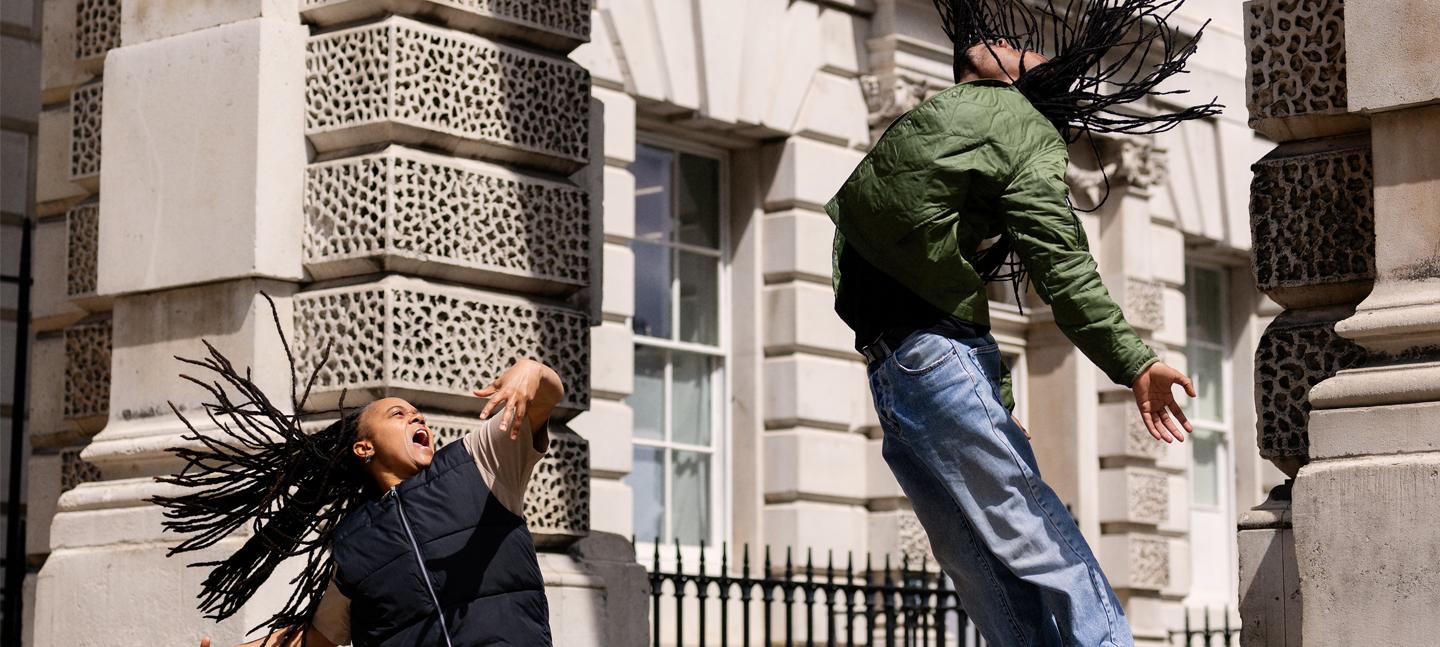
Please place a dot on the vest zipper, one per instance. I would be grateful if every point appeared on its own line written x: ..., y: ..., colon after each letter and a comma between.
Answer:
x: 420, y: 562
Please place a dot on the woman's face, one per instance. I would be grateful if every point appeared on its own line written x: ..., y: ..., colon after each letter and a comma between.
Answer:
x: 394, y: 432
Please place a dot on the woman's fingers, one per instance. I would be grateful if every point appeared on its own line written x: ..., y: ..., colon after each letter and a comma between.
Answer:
x: 496, y: 400
x: 205, y: 642
x: 517, y: 415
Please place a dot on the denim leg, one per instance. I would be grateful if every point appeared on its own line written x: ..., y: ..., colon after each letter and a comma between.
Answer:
x: 1021, y: 567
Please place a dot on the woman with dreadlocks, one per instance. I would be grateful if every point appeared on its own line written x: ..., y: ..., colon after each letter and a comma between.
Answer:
x: 984, y: 162
x: 402, y: 544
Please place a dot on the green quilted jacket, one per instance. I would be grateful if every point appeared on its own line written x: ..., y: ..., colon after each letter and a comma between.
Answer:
x: 973, y: 162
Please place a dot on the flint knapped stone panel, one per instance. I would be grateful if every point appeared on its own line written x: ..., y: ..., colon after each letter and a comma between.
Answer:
x: 1148, y: 496
x: 557, y: 503
x: 1296, y: 73
x: 75, y: 470
x: 913, y: 543
x: 97, y: 29
x: 560, y: 24
x: 1297, y: 351
x: 436, y: 215
x: 85, y: 111
x: 87, y: 370
x: 407, y: 82
x: 409, y: 335
x: 1149, y: 562
x: 1144, y: 305
x: 1326, y: 200
x: 82, y: 226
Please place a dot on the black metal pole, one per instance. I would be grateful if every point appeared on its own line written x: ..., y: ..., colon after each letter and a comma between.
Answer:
x: 14, y: 520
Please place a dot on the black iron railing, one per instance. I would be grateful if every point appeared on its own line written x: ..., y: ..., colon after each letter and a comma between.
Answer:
x: 1207, y: 635
x: 768, y: 603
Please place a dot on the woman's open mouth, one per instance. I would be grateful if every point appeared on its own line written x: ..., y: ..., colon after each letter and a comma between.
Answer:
x: 421, y: 438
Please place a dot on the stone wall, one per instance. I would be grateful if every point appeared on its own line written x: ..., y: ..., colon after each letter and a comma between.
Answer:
x: 404, y: 190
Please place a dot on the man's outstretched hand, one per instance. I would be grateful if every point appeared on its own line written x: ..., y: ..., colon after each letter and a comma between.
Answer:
x: 1157, y: 402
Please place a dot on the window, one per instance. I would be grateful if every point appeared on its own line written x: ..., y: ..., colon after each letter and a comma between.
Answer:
x: 1205, y: 354
x: 679, y: 344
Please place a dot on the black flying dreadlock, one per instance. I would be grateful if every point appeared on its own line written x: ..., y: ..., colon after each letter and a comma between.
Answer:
x: 1104, y: 55
x: 259, y: 468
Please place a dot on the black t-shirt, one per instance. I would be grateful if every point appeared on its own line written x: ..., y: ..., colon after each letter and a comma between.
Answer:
x: 872, y: 303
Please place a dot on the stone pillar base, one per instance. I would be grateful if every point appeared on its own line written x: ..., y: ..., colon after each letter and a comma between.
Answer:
x: 1269, y: 580
x: 1366, y: 529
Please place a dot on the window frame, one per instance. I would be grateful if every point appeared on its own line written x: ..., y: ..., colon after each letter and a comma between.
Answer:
x: 720, y: 449
x: 1221, y: 428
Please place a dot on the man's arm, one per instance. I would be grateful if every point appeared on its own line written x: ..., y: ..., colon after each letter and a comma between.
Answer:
x: 1051, y: 242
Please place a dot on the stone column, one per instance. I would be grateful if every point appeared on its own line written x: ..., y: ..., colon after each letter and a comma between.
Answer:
x: 1364, y: 507
x: 71, y: 352
x: 1312, y: 224
x: 418, y: 194
x: 199, y: 119
x: 454, y: 156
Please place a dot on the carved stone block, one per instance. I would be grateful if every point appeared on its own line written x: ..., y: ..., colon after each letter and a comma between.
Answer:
x: 75, y: 470
x: 97, y: 31
x: 1143, y: 560
x: 1149, y: 562
x: 1144, y: 304
x: 913, y: 542
x: 432, y: 344
x: 407, y: 82
x: 1297, y: 351
x: 436, y: 215
x: 557, y: 502
x: 1296, y: 72
x: 1324, y: 199
x: 82, y: 227
x: 85, y: 111
x: 560, y: 25
x: 87, y: 372
x: 1146, y: 500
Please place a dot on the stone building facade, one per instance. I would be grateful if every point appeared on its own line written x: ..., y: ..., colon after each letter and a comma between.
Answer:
x: 1346, y: 239
x: 630, y: 190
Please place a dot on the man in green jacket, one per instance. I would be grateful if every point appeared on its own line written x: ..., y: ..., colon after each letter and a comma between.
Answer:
x: 973, y: 163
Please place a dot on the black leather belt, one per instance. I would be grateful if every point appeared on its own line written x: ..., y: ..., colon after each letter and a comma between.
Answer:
x: 889, y: 341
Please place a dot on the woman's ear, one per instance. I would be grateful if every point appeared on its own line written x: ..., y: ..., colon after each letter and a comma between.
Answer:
x: 363, y: 450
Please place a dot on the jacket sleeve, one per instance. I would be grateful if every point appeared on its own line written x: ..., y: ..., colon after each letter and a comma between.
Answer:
x: 1052, y: 245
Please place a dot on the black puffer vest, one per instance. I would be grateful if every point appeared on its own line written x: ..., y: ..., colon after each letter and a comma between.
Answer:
x: 479, y: 566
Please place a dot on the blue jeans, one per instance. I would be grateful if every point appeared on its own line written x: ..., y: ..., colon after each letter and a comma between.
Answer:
x: 1021, y: 568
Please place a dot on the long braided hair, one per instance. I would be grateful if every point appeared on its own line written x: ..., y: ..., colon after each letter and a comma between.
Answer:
x: 258, y: 468
x: 1105, y: 56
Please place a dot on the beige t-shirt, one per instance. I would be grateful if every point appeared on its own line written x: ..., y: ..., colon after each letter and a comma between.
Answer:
x: 504, y: 464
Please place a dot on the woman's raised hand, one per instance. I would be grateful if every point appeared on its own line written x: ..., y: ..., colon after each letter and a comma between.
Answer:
x: 527, y: 388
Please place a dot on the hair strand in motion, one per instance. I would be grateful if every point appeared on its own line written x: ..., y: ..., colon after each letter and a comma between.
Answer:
x: 254, y: 466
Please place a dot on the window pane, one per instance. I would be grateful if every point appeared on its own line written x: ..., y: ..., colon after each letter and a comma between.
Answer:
x: 699, y: 298
x: 652, y: 194
x: 648, y: 398
x: 691, y: 397
x: 699, y: 201
x: 1205, y: 476
x: 647, y: 482
x: 652, y: 290
x: 1204, y: 307
x: 692, y: 497
x: 1206, y: 369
